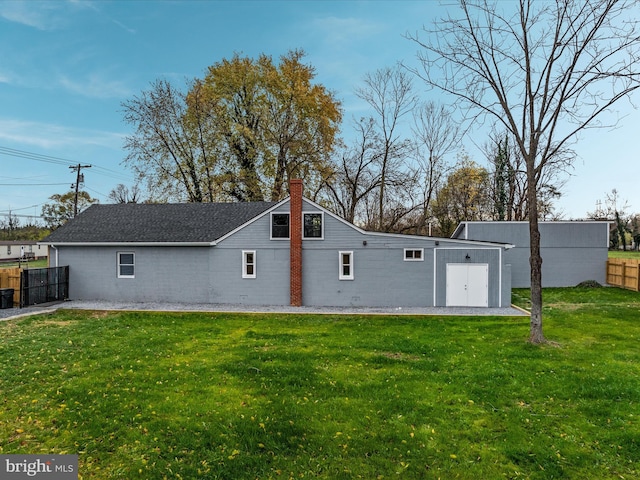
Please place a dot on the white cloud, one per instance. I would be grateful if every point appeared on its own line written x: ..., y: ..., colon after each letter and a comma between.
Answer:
x: 96, y: 8
x: 5, y: 77
x: 39, y: 15
x: 95, y: 86
x: 49, y: 136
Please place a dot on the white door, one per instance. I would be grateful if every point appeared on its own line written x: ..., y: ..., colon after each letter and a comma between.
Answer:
x: 467, y: 285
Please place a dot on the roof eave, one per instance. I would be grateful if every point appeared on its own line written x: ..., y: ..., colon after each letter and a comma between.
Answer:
x: 128, y: 244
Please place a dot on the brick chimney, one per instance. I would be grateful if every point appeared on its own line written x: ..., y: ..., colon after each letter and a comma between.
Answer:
x: 295, y: 239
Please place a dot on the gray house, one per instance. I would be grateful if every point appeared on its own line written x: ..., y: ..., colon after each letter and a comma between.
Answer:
x: 292, y: 252
x: 572, y: 252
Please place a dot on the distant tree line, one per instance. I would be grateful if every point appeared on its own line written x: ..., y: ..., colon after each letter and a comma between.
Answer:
x: 12, y: 228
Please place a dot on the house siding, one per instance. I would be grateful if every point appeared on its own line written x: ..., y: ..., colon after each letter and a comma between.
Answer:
x: 271, y: 285
x: 572, y: 252
x: 167, y: 274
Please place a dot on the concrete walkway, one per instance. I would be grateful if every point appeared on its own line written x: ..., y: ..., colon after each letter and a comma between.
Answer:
x: 208, y: 307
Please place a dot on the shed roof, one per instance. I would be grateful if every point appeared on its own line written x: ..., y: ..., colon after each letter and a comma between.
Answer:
x: 157, y: 223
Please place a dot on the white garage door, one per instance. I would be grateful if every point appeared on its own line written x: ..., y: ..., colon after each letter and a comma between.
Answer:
x: 467, y: 285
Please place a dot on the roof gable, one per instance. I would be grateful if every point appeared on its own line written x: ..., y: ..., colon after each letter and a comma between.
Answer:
x: 157, y: 223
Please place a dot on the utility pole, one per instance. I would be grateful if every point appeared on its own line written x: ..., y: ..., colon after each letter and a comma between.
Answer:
x: 79, y: 180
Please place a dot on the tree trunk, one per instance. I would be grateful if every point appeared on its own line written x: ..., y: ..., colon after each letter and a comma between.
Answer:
x: 535, y: 261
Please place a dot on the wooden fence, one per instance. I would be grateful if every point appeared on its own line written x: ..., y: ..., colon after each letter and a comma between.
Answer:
x: 624, y: 273
x: 10, y: 278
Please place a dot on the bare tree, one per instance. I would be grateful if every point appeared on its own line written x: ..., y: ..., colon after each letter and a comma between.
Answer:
x: 546, y: 71
x: 169, y: 150
x: 389, y: 92
x: 436, y: 135
x: 123, y: 194
x: 615, y: 210
x: 356, y: 174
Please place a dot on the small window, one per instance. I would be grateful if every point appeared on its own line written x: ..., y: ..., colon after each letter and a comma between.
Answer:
x: 413, y: 254
x: 248, y: 264
x: 279, y: 225
x: 312, y: 225
x: 126, y: 265
x: 346, y: 265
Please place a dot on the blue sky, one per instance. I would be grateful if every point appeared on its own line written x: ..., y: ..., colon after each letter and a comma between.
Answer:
x: 66, y: 67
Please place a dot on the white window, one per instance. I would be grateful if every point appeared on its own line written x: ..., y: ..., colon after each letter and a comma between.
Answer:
x: 413, y: 254
x: 126, y: 265
x: 346, y: 265
x: 279, y: 226
x: 248, y: 264
x: 312, y: 225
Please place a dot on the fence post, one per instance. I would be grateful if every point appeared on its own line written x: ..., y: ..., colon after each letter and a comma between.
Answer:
x: 24, y: 288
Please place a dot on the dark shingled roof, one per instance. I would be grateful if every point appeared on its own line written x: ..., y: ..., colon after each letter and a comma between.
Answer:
x: 155, y: 223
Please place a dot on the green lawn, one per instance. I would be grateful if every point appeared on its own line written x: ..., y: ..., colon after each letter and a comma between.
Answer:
x: 232, y: 396
x: 40, y: 263
x: 622, y: 254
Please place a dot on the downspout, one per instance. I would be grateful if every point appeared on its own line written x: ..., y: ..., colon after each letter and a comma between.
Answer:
x: 49, y: 256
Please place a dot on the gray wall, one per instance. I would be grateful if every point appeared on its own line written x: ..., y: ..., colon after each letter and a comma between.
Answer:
x: 170, y: 274
x: 213, y: 274
x: 271, y: 285
x: 572, y: 252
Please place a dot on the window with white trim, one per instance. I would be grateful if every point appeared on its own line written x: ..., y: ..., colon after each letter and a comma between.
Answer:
x: 346, y: 265
x: 248, y: 264
x: 413, y: 254
x: 279, y: 226
x: 312, y: 225
x: 126, y: 265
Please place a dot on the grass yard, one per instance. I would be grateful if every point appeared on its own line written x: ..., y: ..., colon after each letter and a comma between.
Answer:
x: 622, y: 254
x: 40, y: 263
x: 232, y: 396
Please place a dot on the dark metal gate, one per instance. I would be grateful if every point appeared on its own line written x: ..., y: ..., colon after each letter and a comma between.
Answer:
x: 42, y: 285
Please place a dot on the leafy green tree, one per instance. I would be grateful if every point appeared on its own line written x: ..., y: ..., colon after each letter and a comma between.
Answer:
x: 464, y: 196
x: 239, y: 133
x: 270, y: 123
x: 60, y: 210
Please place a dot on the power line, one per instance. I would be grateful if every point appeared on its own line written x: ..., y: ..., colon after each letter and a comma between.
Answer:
x: 30, y: 184
x: 20, y: 215
x: 12, y: 152
x: 22, y: 208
